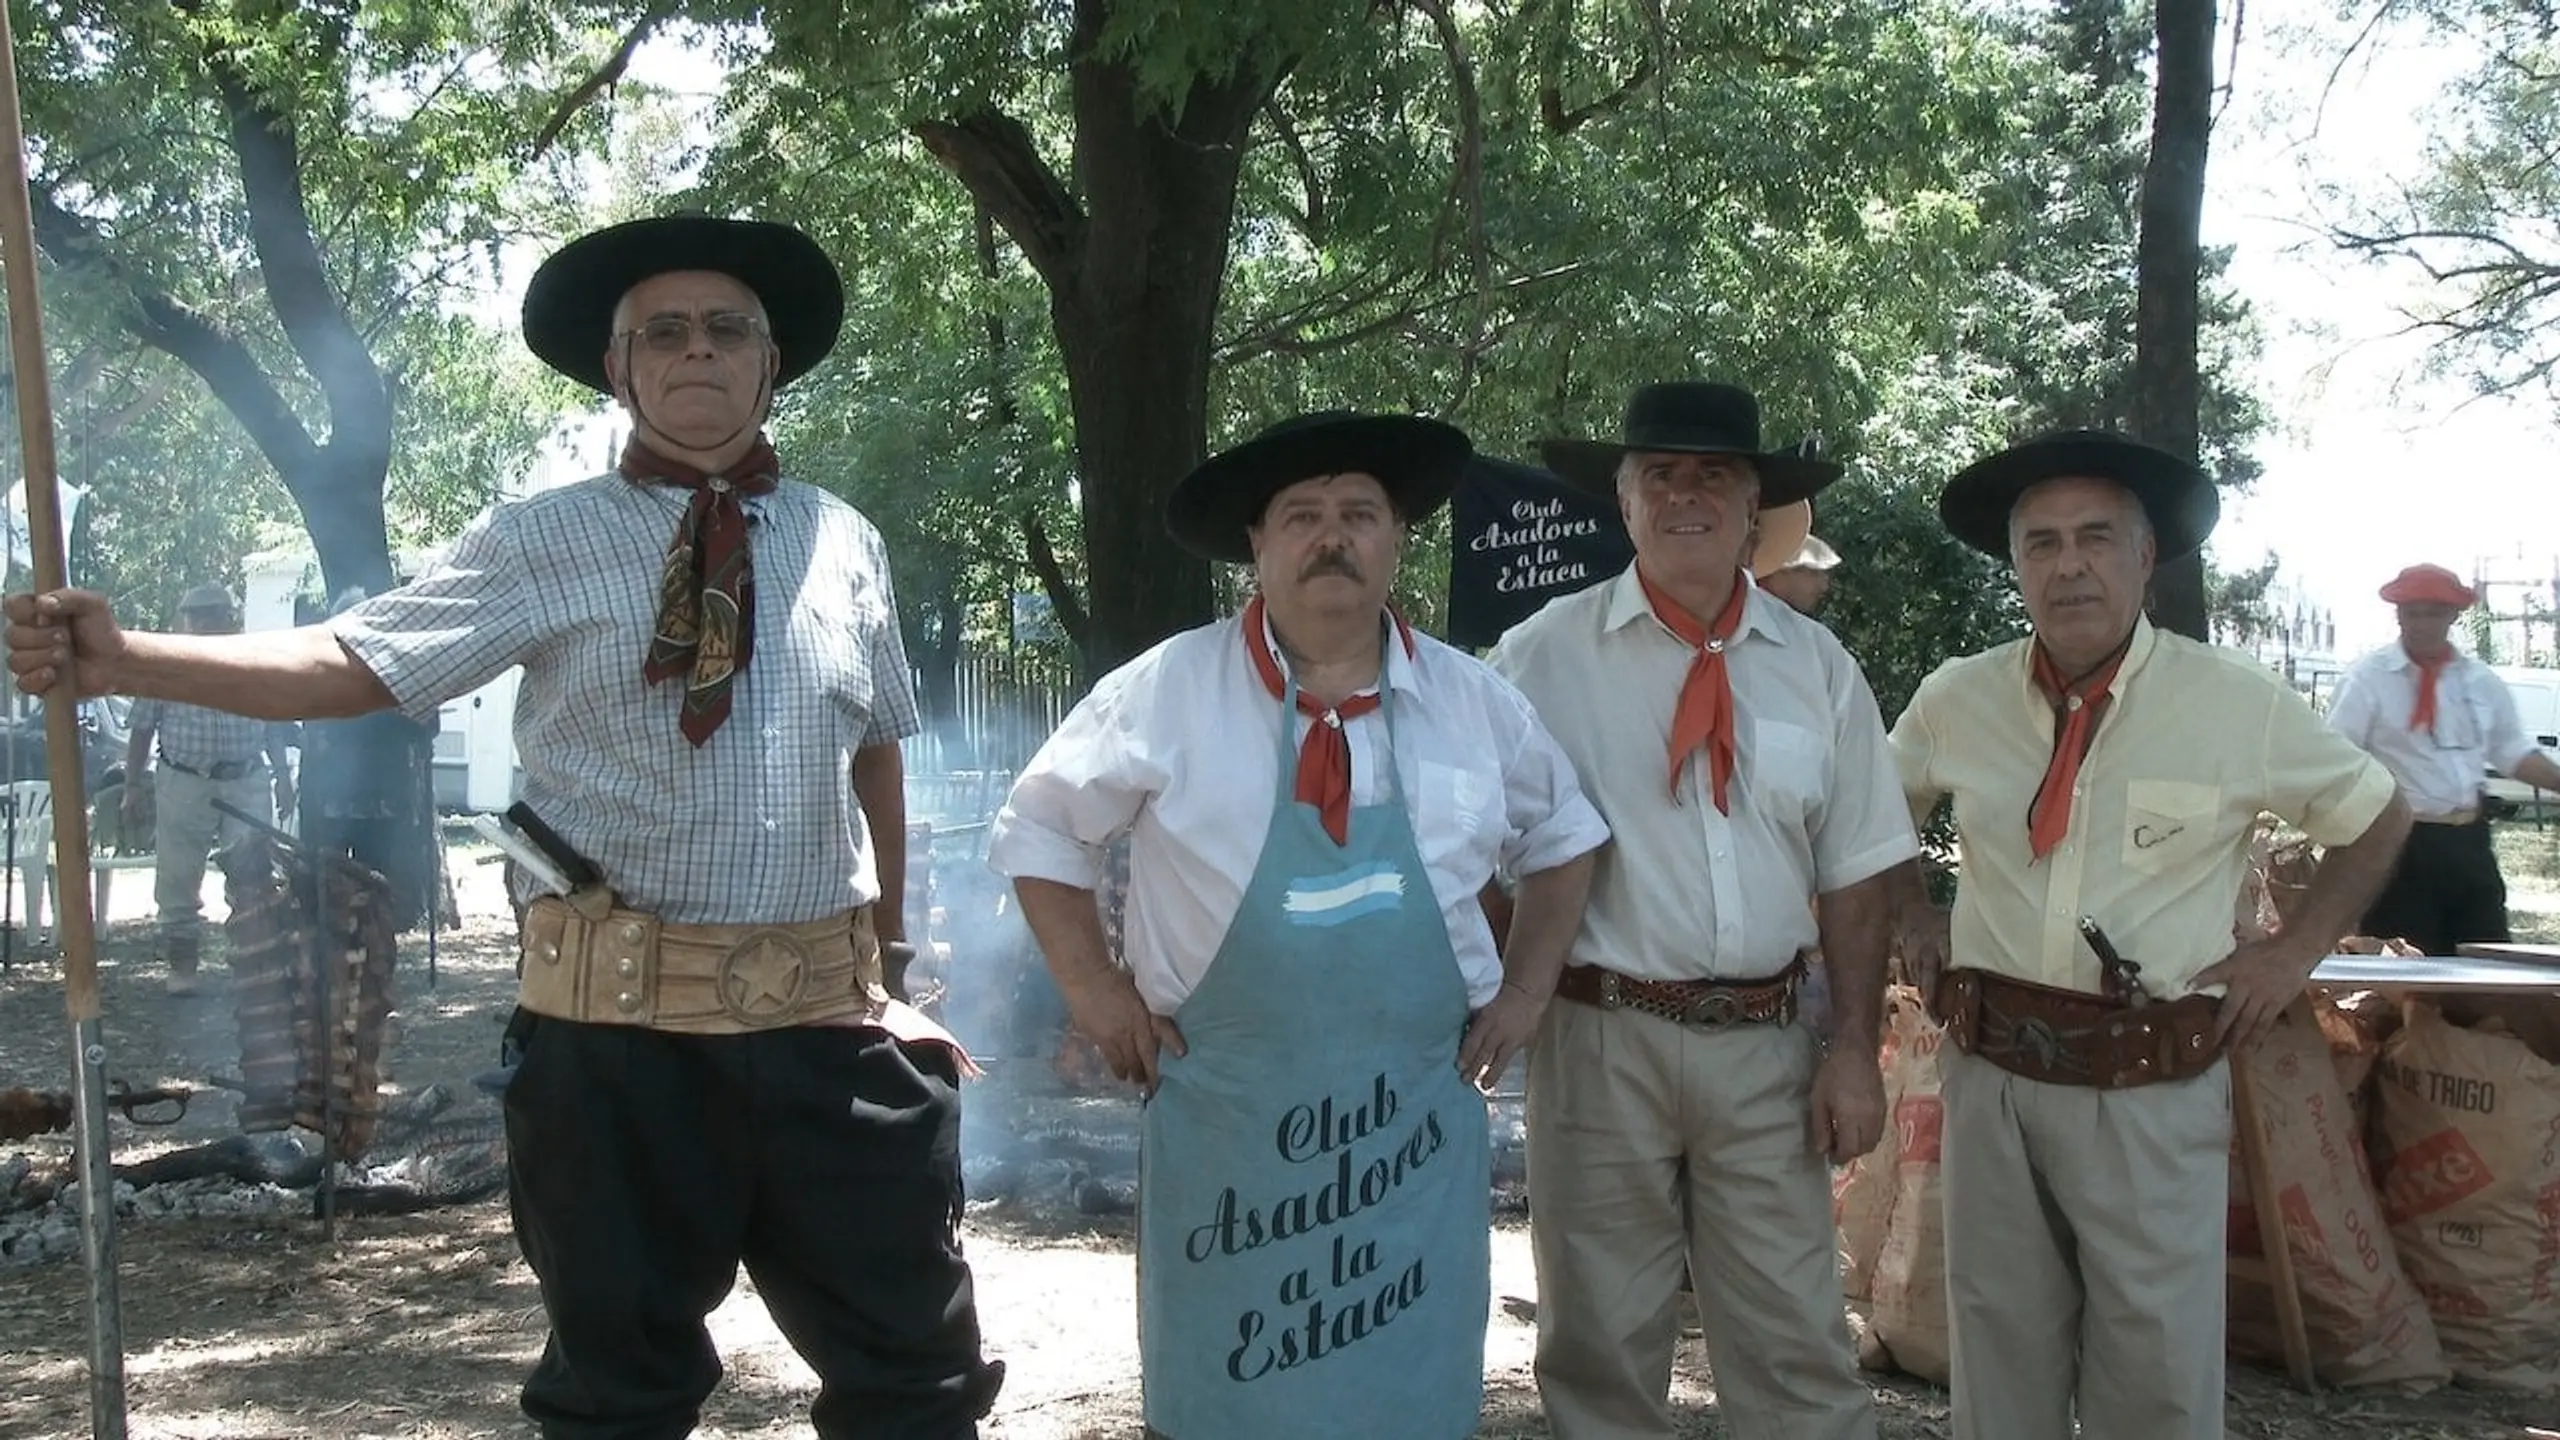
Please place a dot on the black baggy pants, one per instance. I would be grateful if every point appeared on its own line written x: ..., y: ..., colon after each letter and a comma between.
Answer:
x: 2446, y: 890
x: 645, y: 1167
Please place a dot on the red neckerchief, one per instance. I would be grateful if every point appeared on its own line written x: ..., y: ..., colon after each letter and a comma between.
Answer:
x: 706, y: 628
x: 2422, y: 716
x: 1704, y: 715
x: 2080, y: 703
x: 1324, y: 757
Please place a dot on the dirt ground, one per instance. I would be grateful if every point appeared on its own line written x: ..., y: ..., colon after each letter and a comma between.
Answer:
x: 258, y: 1326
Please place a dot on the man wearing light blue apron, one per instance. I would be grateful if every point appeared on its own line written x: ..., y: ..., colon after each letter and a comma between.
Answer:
x: 1313, y: 796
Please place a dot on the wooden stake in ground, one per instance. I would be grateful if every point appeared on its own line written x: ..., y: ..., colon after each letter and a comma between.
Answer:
x: 78, y: 924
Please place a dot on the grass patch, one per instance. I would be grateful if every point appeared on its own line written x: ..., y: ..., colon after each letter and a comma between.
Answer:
x: 2529, y: 855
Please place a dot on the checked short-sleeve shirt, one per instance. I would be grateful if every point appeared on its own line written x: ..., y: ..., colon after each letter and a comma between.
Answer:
x: 759, y: 825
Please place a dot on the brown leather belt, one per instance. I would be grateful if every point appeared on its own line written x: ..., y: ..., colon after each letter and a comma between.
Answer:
x: 588, y: 958
x: 1707, y: 1004
x: 2071, y: 1037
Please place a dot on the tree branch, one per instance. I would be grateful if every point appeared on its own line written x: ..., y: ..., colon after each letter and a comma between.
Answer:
x: 297, y: 282
x: 1063, y: 601
x: 1289, y: 338
x: 993, y: 155
x: 159, y: 320
x: 1466, y: 165
x: 605, y: 76
x: 1560, y: 121
x: 1312, y: 222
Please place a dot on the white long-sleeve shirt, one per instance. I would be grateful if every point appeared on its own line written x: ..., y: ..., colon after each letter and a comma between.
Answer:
x: 1180, y: 748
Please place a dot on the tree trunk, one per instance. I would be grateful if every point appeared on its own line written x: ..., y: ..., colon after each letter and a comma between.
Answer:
x: 337, y: 485
x: 2167, y: 387
x: 1134, y: 258
x: 937, y: 663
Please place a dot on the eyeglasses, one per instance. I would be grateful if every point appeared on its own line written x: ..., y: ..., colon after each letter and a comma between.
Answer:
x: 673, y: 334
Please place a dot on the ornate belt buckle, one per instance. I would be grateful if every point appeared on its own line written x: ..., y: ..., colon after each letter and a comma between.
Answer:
x: 765, y: 977
x: 1609, y: 997
x: 2038, y: 1041
x: 1714, y: 1009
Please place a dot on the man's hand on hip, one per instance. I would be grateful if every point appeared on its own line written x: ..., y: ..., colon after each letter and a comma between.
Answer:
x: 1848, y: 1105
x: 2260, y: 979
x: 1108, y: 1010
x: 1496, y: 1033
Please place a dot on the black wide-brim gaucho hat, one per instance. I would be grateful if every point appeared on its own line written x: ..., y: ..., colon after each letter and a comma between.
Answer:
x: 1693, y: 417
x: 1418, y: 461
x: 2180, y: 502
x: 568, y: 307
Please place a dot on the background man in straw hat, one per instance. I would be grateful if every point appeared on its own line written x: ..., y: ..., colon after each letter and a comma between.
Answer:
x: 1314, y: 795
x: 1674, y: 1111
x: 2437, y: 718
x: 711, y: 1073
x: 204, y: 756
x: 1790, y: 561
x: 2106, y: 775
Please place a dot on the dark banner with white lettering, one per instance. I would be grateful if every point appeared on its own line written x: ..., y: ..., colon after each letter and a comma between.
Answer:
x: 1519, y: 537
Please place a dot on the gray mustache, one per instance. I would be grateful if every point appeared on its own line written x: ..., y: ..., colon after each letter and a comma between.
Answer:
x: 1330, y: 562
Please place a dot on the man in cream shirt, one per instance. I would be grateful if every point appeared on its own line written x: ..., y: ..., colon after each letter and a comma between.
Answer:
x: 1674, y: 1111
x: 2107, y: 772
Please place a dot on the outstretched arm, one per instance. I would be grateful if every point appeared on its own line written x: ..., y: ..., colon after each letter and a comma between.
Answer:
x: 267, y: 675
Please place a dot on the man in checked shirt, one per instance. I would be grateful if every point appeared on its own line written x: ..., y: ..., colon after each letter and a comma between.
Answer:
x: 713, y: 1071
x: 204, y: 756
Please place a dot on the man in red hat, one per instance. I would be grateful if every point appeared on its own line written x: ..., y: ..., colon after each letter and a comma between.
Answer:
x: 2107, y: 777
x: 2438, y: 719
x: 713, y: 1071
x: 1677, y: 1111
x: 1313, y: 797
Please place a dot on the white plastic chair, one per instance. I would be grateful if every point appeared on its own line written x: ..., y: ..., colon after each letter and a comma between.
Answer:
x: 31, y: 857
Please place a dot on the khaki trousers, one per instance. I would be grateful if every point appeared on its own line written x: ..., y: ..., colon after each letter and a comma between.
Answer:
x: 1650, y: 1141
x: 2085, y: 1268
x: 189, y: 829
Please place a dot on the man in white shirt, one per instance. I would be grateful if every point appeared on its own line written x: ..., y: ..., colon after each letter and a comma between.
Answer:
x: 2436, y: 719
x: 1314, y: 796
x: 1673, y: 1109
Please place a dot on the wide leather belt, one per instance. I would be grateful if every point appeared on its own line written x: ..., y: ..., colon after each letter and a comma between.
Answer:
x: 2468, y: 815
x: 2071, y: 1037
x: 1707, y: 1004
x: 597, y: 961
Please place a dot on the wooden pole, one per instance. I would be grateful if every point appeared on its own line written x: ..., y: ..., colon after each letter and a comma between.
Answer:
x: 2291, y: 1331
x: 62, y: 764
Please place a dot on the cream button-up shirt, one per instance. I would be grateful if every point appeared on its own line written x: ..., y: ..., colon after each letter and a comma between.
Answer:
x: 1689, y: 892
x: 2197, y: 742
x: 2440, y: 769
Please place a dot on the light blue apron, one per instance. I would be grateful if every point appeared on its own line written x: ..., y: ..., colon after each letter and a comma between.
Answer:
x: 1314, y: 1179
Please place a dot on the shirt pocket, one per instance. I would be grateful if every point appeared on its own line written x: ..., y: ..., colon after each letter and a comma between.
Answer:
x: 1787, y: 768
x: 833, y: 646
x: 1458, y: 818
x: 2168, y: 822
